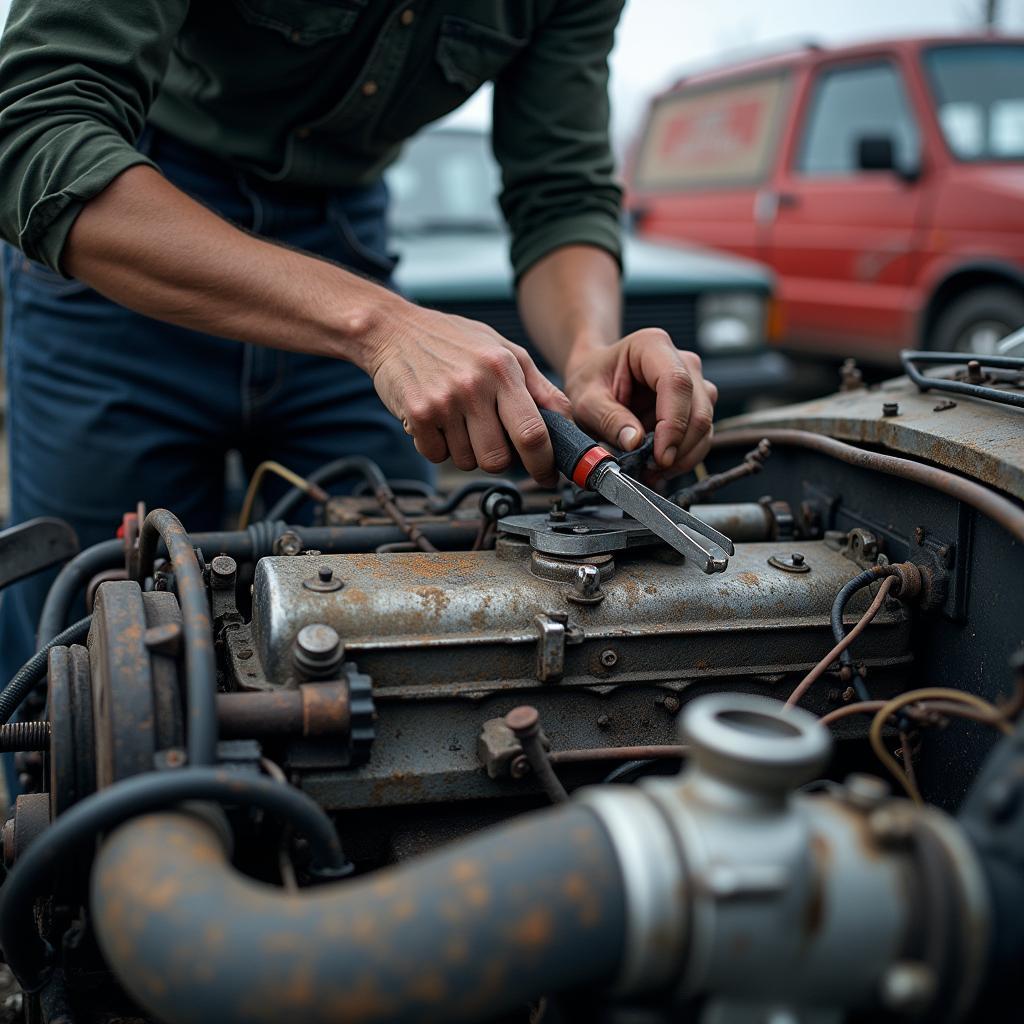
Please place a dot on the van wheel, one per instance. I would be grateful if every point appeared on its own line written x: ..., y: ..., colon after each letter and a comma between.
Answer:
x: 977, y: 321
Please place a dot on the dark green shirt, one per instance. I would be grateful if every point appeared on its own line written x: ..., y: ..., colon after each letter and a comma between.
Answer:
x: 315, y: 92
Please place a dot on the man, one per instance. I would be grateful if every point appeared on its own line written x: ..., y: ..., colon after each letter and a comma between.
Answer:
x: 175, y: 175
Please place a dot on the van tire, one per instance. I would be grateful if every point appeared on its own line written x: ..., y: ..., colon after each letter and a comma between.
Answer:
x: 977, y: 320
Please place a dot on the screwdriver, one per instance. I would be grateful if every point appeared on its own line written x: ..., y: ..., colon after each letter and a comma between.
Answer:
x: 593, y: 468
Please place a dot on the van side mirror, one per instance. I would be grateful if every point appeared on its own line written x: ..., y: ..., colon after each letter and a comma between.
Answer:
x: 878, y: 153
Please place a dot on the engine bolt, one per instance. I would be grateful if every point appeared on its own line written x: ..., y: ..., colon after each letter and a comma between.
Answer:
x: 223, y: 567
x: 671, y: 704
x: 890, y: 408
x: 318, y: 650
x: 520, y: 767
x: 604, y: 722
x: 796, y: 558
x: 974, y: 374
x: 609, y: 658
x: 289, y: 543
x: 325, y: 574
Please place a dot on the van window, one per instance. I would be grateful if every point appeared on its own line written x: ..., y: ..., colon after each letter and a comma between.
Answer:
x: 979, y: 94
x: 715, y: 137
x: 849, y: 104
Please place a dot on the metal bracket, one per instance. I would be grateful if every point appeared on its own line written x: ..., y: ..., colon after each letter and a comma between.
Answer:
x: 554, y: 633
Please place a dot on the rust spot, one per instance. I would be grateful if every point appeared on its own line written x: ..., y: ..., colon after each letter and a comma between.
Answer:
x: 750, y: 579
x: 430, y: 988
x: 465, y: 870
x: 535, y: 929
x: 814, y: 911
x: 435, y: 598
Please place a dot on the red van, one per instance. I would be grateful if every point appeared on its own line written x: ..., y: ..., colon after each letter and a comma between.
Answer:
x: 883, y: 183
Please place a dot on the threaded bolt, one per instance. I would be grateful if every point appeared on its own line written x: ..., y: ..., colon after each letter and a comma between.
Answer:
x: 24, y: 736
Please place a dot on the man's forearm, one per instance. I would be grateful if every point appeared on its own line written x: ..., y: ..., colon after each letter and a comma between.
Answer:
x: 146, y: 245
x: 459, y: 388
x: 571, y: 304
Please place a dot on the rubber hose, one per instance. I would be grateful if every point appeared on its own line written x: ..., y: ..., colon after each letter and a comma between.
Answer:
x: 197, y: 629
x: 33, y: 672
x: 480, y: 927
x: 70, y: 836
x: 70, y: 582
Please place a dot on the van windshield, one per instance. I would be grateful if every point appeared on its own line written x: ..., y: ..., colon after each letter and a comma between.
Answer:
x: 979, y: 92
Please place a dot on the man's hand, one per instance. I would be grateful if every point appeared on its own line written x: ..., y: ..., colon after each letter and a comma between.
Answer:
x: 642, y: 382
x: 461, y: 389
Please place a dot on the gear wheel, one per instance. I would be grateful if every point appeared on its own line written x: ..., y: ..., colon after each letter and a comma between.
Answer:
x: 362, y: 713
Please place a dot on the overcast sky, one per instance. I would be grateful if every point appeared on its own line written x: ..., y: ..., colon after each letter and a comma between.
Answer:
x: 658, y: 38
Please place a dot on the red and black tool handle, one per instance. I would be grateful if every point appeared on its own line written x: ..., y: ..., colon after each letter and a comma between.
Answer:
x: 576, y: 454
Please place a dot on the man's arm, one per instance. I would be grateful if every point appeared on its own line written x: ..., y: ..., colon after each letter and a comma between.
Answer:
x: 457, y: 385
x: 571, y: 304
x: 76, y: 83
x: 562, y: 202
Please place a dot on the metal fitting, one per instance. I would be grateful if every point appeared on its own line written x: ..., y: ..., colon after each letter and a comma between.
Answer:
x: 223, y: 572
x: 318, y: 651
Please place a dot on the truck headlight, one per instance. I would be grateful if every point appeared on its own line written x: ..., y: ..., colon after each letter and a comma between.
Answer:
x: 730, y: 322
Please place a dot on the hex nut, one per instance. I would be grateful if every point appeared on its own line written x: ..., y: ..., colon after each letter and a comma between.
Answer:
x: 609, y: 658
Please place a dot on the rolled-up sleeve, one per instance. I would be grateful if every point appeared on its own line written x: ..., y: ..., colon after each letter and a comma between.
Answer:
x: 551, y: 136
x: 77, y: 78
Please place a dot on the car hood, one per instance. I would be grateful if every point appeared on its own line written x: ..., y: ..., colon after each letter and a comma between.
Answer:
x: 472, y: 266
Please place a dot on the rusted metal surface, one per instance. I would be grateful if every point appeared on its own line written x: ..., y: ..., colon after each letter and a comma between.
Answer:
x: 1003, y: 511
x: 453, y: 639
x: 461, y: 935
x: 72, y: 741
x: 979, y: 439
x: 122, y: 684
x: 30, y: 819
x: 524, y: 721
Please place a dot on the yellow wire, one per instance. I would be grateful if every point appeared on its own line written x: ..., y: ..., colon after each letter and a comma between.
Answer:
x: 700, y: 471
x: 257, y: 478
x: 927, y: 693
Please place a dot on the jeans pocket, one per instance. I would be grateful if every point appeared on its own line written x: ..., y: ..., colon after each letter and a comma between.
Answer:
x: 357, y: 253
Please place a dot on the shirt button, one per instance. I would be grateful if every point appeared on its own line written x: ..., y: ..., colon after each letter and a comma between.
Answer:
x: 408, y: 16
x: 369, y: 88
x: 303, y: 132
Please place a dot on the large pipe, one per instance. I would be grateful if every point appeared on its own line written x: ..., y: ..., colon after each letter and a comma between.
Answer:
x: 476, y: 929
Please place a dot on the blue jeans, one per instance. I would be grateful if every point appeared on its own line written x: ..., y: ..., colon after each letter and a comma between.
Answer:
x: 107, y: 407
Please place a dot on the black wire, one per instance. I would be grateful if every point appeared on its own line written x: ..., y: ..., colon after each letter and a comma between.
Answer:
x: 858, y: 582
x: 68, y: 838
x: 460, y: 494
x: 33, y: 671
x: 70, y: 581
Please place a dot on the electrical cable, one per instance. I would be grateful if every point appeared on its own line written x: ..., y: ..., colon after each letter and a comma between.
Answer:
x: 33, y: 671
x: 864, y: 579
x: 351, y: 465
x: 69, y: 836
x: 844, y: 643
x: 890, y: 707
x: 307, y: 487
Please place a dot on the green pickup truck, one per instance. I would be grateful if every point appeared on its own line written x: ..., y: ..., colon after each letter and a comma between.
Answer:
x: 447, y: 229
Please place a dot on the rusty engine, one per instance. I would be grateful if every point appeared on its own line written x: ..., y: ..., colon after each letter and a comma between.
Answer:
x: 502, y: 754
